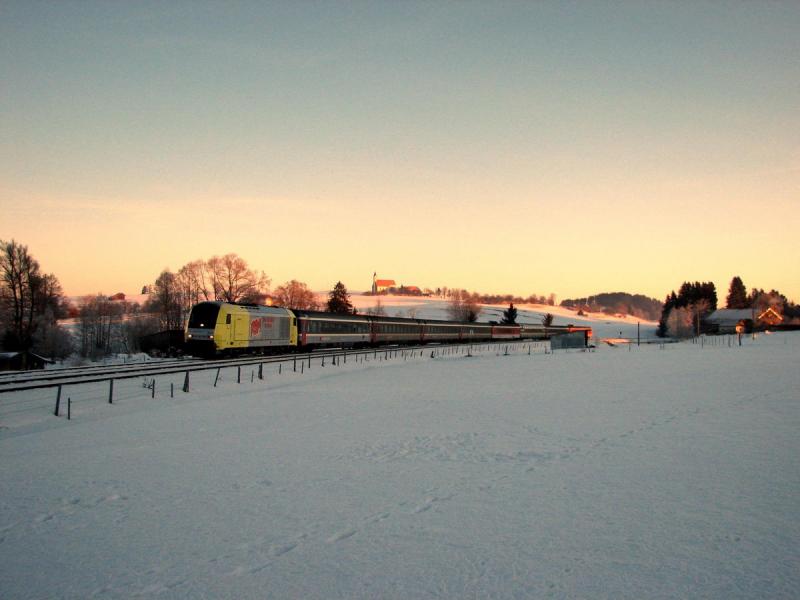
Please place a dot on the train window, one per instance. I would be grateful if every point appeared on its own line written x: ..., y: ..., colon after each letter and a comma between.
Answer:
x: 204, y: 315
x: 227, y: 319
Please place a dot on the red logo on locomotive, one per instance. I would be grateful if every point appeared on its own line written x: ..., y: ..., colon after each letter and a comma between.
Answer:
x: 255, y: 327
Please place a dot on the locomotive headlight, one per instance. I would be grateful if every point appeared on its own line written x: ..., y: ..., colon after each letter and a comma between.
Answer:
x: 189, y: 335
x: 211, y: 337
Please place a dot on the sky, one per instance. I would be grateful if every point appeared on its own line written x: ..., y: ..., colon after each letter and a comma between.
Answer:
x: 521, y: 147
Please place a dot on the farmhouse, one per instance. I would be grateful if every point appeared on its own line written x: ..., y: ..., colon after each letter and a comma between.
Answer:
x: 743, y: 320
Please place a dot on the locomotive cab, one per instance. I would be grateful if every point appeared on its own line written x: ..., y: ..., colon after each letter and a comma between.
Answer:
x: 201, y: 327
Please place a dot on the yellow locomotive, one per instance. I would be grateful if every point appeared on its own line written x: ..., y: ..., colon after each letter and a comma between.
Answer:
x: 232, y: 328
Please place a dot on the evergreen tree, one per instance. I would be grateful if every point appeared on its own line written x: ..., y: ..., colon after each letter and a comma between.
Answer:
x: 737, y: 294
x: 509, y: 315
x: 699, y: 299
x: 339, y: 300
x: 547, y: 319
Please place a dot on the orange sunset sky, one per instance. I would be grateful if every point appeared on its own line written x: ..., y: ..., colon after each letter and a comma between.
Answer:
x: 514, y: 148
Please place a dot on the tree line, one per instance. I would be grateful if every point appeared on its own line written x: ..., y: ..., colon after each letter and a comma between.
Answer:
x: 685, y: 313
x: 32, y: 302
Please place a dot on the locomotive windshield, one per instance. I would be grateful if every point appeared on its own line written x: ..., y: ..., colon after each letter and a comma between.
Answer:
x: 204, y: 316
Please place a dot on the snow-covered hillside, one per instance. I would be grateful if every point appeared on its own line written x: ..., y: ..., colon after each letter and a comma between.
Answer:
x: 604, y: 326
x: 621, y: 473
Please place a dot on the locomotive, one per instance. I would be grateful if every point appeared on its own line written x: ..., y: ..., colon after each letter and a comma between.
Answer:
x: 227, y: 328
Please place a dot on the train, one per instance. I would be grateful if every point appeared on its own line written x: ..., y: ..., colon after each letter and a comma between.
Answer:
x: 227, y: 328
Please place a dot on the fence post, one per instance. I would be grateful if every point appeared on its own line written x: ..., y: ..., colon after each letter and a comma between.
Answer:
x: 153, y: 388
x: 58, y: 400
x: 111, y: 391
x: 186, y: 383
x: 261, y: 370
x: 294, y: 368
x: 217, y: 377
x: 280, y: 368
x: 302, y: 368
x: 69, y: 409
x: 239, y: 374
x: 171, y: 389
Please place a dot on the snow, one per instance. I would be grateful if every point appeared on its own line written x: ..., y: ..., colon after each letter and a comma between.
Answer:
x: 436, y: 308
x: 636, y: 472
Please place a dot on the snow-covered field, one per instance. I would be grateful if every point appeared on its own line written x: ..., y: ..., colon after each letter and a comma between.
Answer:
x: 621, y: 473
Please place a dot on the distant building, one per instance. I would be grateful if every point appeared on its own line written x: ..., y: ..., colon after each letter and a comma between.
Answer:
x: 22, y: 361
x: 412, y: 290
x: 742, y: 320
x: 770, y: 317
x: 120, y: 297
x: 381, y: 286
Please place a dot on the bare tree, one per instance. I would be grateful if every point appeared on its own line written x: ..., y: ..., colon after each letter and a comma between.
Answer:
x: 99, y: 326
x: 680, y: 322
x: 547, y: 319
x: 133, y: 329
x: 234, y: 281
x: 295, y: 294
x: 377, y: 310
x: 463, y: 306
x: 166, y: 301
x: 194, y: 280
x: 28, y: 298
x: 52, y: 340
x: 19, y: 273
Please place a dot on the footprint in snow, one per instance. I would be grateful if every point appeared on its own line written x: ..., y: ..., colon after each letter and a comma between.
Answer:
x: 44, y: 518
x: 281, y: 549
x: 377, y: 518
x: 342, y: 535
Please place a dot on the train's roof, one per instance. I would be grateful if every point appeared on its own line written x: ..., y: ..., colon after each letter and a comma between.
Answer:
x: 317, y: 314
x: 257, y: 307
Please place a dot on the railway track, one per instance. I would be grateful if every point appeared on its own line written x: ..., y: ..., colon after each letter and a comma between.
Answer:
x: 105, y: 373
x: 52, y: 392
x: 65, y: 372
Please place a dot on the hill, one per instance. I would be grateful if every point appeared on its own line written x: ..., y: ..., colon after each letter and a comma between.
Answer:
x: 618, y: 303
